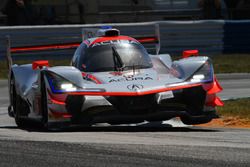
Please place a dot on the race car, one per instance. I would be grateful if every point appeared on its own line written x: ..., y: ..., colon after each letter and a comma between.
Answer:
x: 112, y: 79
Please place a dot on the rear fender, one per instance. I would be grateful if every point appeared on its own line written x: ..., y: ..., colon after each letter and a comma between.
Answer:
x: 164, y: 58
x: 188, y: 66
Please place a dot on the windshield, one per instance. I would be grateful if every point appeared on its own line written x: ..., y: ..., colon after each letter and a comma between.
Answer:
x: 111, y: 57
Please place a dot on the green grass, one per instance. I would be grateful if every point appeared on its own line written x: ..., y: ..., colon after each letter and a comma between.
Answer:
x: 236, y: 108
x: 233, y: 63
x: 227, y: 63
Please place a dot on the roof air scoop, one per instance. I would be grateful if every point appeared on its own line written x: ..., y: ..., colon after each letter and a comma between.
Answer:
x: 108, y: 32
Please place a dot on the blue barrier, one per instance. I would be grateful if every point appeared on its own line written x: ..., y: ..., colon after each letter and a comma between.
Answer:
x: 236, y: 37
x: 206, y: 36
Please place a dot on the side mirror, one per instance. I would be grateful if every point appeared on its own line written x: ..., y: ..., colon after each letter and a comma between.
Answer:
x: 189, y: 53
x: 40, y: 64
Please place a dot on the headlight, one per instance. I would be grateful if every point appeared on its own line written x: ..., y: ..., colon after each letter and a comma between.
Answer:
x: 203, y: 74
x: 68, y: 87
x: 59, y: 84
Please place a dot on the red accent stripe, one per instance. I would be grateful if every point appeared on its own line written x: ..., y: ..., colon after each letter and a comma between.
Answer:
x: 76, y: 44
x: 55, y: 101
x: 147, y: 40
x: 103, y: 39
x: 216, y: 87
x: 116, y: 73
x: 132, y: 93
x: 84, y: 74
x: 44, y: 47
x: 91, y: 77
x: 86, y: 42
x: 214, y: 101
x: 218, y: 101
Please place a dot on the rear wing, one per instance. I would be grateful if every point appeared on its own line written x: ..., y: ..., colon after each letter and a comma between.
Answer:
x: 150, y: 41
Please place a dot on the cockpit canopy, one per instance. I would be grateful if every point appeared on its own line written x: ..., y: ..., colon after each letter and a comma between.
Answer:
x: 116, y: 54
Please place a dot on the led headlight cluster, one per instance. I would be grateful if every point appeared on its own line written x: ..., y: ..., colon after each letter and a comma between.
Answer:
x: 68, y: 87
x: 204, y: 74
x: 59, y: 84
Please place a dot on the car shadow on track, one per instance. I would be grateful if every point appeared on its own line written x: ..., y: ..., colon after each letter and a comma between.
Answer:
x: 155, y: 127
x: 140, y: 129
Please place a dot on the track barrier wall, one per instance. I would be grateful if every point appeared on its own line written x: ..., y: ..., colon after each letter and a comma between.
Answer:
x: 209, y: 37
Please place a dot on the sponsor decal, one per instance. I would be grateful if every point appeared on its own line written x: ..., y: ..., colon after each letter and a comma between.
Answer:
x: 114, y: 42
x: 130, y: 78
x: 135, y: 87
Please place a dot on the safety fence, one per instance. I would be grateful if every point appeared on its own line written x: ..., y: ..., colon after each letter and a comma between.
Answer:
x: 209, y: 37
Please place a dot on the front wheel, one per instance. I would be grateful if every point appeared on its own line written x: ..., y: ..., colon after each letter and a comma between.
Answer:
x: 197, y: 119
x: 44, y: 120
x: 17, y: 105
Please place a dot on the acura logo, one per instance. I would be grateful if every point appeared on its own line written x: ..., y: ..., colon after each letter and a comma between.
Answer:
x: 135, y: 87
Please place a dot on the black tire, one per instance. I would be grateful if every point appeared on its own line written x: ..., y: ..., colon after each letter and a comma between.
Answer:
x: 17, y: 106
x: 196, y: 120
x: 44, y: 120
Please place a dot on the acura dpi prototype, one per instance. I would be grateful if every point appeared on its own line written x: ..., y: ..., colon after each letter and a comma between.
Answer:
x: 112, y: 79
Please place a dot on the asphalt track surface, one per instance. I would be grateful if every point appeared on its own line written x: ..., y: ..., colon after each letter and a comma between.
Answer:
x: 145, y: 145
x: 235, y: 85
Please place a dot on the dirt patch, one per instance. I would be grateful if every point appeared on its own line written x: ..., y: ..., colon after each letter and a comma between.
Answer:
x: 232, y: 122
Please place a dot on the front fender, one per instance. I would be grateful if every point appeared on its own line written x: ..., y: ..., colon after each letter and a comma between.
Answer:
x: 69, y: 73
x: 24, y: 77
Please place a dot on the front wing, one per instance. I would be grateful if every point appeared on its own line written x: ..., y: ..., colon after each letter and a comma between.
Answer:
x: 193, y: 102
